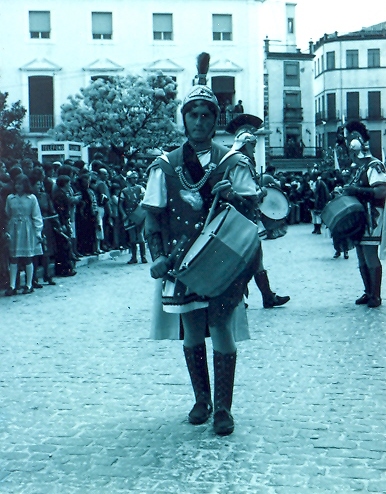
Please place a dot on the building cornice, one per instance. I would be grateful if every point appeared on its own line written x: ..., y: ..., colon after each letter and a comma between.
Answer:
x: 42, y: 65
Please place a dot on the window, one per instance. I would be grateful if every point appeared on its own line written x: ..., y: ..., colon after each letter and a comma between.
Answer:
x: 353, y: 105
x: 41, y: 103
x: 331, y: 106
x: 291, y: 25
x: 102, y: 25
x: 222, y: 27
x: 374, y: 57
x: 352, y: 59
x: 39, y: 24
x: 163, y: 26
x: 374, y: 103
x: 291, y: 74
x: 330, y: 59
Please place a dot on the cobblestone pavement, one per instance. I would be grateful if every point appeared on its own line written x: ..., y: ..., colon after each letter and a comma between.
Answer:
x: 90, y: 405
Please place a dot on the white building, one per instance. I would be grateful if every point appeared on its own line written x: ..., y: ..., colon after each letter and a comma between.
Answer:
x: 350, y: 83
x: 51, y: 48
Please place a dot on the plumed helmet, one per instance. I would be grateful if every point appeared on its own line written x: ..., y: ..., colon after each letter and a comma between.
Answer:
x: 357, y: 137
x: 243, y: 138
x: 201, y: 93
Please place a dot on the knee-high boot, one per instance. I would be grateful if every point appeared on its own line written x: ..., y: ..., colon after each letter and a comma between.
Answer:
x: 196, y: 361
x: 224, y: 376
x: 376, y: 280
x: 365, y: 274
x: 133, y: 260
x: 142, y: 251
x: 270, y: 299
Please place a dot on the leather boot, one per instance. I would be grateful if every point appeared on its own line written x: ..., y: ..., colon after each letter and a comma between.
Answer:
x: 224, y: 376
x: 376, y: 280
x: 270, y: 299
x: 365, y: 274
x: 133, y: 249
x: 197, y: 364
x: 142, y: 251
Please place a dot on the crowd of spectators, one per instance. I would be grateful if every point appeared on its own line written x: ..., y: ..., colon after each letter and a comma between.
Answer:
x: 85, y: 209
x: 79, y: 210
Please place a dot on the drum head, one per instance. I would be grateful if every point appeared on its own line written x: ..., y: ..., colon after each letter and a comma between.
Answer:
x: 275, y: 204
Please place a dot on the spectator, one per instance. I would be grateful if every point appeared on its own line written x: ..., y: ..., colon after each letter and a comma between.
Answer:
x: 50, y: 226
x: 86, y: 216
x: 64, y: 260
x: 24, y: 229
x: 239, y: 107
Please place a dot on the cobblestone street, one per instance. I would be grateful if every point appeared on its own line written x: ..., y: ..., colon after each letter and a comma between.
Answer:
x: 90, y: 405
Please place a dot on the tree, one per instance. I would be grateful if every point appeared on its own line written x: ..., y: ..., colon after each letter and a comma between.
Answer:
x: 13, y: 147
x: 133, y: 114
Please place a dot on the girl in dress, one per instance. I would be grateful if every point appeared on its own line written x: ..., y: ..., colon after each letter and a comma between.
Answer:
x: 24, y: 229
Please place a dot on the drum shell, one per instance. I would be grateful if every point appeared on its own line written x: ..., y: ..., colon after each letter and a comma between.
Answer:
x: 345, y: 217
x: 224, y: 249
x: 275, y: 205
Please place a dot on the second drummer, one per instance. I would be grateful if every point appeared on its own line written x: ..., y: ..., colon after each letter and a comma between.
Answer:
x: 244, y: 127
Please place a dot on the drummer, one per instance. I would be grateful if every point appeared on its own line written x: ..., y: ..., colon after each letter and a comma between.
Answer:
x: 180, y: 190
x: 245, y: 127
x: 369, y: 186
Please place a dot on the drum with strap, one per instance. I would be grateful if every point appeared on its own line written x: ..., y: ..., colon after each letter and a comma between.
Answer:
x: 225, y: 247
x: 275, y: 205
x: 274, y: 209
x: 345, y: 217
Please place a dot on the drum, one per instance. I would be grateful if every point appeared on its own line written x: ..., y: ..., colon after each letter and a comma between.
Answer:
x: 345, y: 217
x: 275, y: 205
x: 220, y: 254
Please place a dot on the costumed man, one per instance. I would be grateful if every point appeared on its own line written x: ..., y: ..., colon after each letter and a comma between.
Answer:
x: 244, y: 128
x: 369, y: 186
x: 180, y: 191
x: 132, y: 216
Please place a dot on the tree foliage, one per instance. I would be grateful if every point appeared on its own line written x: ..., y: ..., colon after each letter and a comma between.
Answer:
x: 13, y: 147
x: 132, y: 113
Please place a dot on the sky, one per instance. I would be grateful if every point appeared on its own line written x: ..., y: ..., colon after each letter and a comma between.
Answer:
x: 315, y: 17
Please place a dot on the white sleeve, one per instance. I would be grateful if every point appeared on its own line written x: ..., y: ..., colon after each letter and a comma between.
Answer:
x: 156, y: 193
x: 376, y: 177
x: 242, y: 181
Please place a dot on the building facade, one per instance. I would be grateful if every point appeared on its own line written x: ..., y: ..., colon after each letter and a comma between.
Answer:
x: 350, y: 83
x: 50, y: 49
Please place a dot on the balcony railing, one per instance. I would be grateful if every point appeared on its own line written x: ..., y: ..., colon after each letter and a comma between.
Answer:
x: 295, y: 152
x: 224, y: 119
x: 293, y: 114
x: 41, y: 123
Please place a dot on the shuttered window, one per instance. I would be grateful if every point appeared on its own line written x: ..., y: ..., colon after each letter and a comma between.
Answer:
x: 222, y: 27
x: 39, y: 24
x: 102, y: 25
x: 163, y: 26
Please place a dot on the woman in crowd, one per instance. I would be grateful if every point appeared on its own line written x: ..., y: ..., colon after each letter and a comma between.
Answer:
x: 50, y: 226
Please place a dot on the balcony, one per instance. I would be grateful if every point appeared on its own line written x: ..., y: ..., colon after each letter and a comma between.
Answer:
x: 323, y: 117
x: 294, y: 160
x: 41, y: 123
x: 293, y: 114
x: 224, y: 119
x: 298, y: 152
